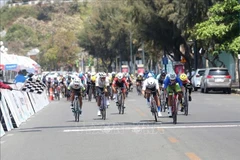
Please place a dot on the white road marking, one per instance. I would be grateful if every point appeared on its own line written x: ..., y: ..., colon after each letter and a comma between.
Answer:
x: 109, y: 128
x: 9, y: 135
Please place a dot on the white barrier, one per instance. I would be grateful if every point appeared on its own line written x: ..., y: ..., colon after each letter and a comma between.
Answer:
x: 2, y: 132
x: 18, y: 106
x: 6, y: 114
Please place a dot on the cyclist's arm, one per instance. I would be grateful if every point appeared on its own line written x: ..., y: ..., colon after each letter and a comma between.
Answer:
x: 144, y: 87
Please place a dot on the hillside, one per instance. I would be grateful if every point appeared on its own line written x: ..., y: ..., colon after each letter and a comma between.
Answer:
x: 51, y: 28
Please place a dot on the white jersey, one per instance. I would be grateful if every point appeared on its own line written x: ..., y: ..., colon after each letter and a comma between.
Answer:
x: 72, y: 85
x: 102, y: 84
x: 147, y: 84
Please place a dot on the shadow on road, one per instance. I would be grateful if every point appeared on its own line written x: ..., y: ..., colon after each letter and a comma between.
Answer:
x: 120, y: 124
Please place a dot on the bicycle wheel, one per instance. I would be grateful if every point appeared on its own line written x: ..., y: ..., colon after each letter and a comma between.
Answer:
x: 104, y: 113
x: 90, y: 94
x: 154, y: 109
x: 103, y: 107
x: 120, y: 103
x: 186, y: 104
x: 174, y: 112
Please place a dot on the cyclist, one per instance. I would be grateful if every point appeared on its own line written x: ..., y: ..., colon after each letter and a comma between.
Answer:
x: 76, y: 88
x: 55, y: 84
x: 187, y: 84
x: 119, y: 81
x: 172, y: 83
x: 102, y: 85
x: 139, y: 81
x: 150, y: 86
x: 83, y: 80
x: 129, y: 80
x: 161, y: 78
x: 68, y: 82
x: 89, y: 81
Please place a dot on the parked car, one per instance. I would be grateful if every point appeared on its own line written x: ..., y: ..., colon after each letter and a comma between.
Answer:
x: 216, y: 79
x: 196, y: 78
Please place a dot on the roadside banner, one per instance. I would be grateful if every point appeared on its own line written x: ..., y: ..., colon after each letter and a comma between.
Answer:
x: 12, y: 107
x: 5, y: 114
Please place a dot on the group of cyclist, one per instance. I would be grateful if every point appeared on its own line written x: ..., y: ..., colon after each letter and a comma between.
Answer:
x: 100, y: 83
x: 147, y: 83
x: 166, y: 83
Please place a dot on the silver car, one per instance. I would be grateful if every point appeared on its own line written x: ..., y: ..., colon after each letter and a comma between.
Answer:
x: 196, y: 79
x: 216, y: 79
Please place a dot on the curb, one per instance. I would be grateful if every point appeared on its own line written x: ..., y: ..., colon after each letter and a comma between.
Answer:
x: 236, y: 91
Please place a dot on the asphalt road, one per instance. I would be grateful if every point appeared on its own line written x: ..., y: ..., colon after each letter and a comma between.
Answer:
x: 211, y: 131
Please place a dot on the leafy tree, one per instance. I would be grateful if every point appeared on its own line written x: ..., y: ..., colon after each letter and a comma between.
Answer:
x: 21, y: 34
x: 219, y: 30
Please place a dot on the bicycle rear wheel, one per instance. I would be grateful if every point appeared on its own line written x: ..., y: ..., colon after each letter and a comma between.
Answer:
x: 120, y: 103
x: 186, y: 104
x: 154, y: 111
x: 175, y: 110
x: 90, y: 94
x: 103, y: 113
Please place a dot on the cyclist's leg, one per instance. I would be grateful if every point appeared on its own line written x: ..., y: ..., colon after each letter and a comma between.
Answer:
x: 147, y: 94
x: 179, y: 91
x: 72, y: 97
x: 107, y: 95
x: 99, y: 91
x: 80, y: 100
x: 155, y: 95
x: 189, y: 94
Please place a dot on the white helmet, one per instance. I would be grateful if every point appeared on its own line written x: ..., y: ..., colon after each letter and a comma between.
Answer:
x: 150, y: 75
x: 120, y: 76
x: 76, y: 81
x: 151, y: 83
x: 102, y: 75
x: 172, y: 76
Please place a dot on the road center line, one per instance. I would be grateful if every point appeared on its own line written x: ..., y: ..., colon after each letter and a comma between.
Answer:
x: 146, y: 127
x: 172, y: 140
x: 192, y: 156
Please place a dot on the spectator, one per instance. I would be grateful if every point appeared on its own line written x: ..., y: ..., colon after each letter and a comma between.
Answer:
x: 20, y: 77
x: 2, y: 85
x: 5, y: 86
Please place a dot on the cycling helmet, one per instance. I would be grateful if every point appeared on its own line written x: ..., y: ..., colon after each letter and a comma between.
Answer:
x: 172, y: 76
x: 149, y: 75
x: 151, y: 83
x: 76, y: 82
x: 183, y: 77
x: 102, y: 75
x: 120, y: 76
x: 80, y: 75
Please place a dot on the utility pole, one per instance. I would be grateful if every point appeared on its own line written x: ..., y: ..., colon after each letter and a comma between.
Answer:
x: 131, y: 58
x: 195, y: 55
x: 239, y: 51
x: 143, y: 54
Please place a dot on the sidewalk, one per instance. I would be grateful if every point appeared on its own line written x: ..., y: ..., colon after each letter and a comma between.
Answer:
x: 235, y: 88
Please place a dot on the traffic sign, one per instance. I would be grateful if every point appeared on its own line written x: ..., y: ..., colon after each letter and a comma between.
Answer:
x: 165, y: 60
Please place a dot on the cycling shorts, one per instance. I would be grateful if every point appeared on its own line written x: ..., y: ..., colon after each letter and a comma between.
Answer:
x: 172, y: 88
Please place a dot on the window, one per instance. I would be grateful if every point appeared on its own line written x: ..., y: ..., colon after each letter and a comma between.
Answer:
x: 218, y: 72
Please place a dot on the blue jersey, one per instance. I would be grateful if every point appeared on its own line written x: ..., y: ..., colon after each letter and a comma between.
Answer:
x: 167, y: 82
